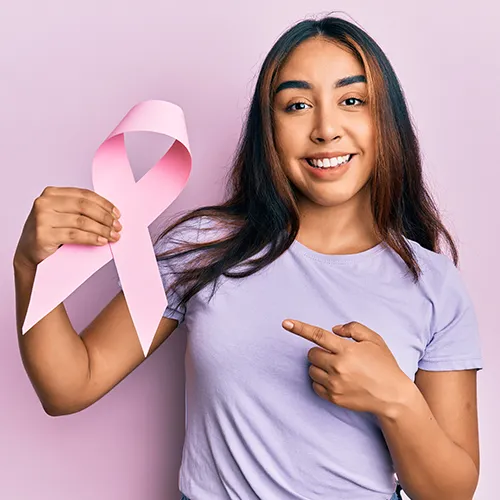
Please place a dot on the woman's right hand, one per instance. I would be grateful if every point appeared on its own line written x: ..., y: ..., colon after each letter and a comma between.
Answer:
x: 66, y: 215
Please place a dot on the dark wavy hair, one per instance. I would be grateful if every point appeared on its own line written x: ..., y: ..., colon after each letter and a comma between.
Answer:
x: 261, y: 208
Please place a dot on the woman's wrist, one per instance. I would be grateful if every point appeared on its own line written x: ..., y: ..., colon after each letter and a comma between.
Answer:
x: 22, y: 265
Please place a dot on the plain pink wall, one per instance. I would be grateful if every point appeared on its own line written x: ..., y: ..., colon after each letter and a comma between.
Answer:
x: 70, y: 71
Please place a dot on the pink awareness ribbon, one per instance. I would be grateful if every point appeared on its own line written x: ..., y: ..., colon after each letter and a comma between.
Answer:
x: 140, y: 203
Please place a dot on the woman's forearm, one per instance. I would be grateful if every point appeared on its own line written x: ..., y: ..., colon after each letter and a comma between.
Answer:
x: 53, y: 354
x: 429, y: 465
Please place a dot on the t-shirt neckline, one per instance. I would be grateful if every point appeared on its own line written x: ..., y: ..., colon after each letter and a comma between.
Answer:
x: 339, y: 258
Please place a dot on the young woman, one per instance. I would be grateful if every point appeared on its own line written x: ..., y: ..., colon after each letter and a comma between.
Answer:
x: 328, y: 223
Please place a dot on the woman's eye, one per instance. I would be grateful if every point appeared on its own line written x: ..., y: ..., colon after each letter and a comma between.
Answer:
x: 354, y: 99
x: 291, y: 107
x: 294, y: 106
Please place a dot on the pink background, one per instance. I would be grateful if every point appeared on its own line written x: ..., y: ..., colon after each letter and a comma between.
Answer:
x: 70, y: 71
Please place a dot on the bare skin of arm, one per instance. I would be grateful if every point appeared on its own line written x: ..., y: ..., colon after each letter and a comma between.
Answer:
x: 70, y: 372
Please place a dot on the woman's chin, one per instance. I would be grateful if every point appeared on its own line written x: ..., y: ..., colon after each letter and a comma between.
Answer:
x: 324, y: 197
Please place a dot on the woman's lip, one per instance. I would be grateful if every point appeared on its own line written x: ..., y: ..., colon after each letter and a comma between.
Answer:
x: 329, y: 172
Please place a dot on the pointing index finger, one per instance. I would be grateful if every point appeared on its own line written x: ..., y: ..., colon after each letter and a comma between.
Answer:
x: 315, y: 334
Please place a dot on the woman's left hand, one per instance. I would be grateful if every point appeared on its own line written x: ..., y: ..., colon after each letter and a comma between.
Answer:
x: 361, y: 375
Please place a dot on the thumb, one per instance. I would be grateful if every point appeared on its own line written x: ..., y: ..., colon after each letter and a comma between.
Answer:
x: 354, y: 330
x: 342, y: 331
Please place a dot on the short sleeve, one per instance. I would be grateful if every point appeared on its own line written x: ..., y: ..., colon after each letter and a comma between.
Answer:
x: 185, y: 232
x: 455, y: 341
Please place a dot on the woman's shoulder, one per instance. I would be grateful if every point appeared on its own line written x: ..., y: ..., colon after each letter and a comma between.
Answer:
x: 437, y: 268
x: 197, y: 229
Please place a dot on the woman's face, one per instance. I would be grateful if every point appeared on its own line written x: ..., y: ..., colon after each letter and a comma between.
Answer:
x: 317, y: 115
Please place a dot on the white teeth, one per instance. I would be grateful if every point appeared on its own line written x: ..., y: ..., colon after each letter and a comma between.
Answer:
x: 329, y: 162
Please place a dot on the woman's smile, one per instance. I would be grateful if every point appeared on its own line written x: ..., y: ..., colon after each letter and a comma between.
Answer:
x: 328, y: 173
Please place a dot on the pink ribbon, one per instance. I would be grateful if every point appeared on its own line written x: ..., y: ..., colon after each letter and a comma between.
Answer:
x: 140, y: 204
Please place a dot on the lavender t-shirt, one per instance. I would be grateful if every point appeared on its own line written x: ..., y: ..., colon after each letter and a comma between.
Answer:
x: 255, y: 427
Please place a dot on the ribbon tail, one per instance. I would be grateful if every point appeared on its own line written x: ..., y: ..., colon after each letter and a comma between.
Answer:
x: 59, y: 275
x: 142, y: 284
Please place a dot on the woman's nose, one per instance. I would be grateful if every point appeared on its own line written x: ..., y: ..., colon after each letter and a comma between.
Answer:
x: 326, y: 127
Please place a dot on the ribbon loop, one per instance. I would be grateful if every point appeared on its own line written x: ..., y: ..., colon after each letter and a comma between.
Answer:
x: 140, y: 203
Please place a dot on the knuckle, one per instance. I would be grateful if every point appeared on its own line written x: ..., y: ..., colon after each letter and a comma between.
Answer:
x: 72, y: 234
x: 328, y: 393
x: 317, y: 333
x: 332, y: 387
x: 48, y: 190
x: 340, y: 367
x: 108, y: 219
x: 39, y: 203
x: 347, y: 351
x: 82, y: 203
x: 39, y: 217
x: 81, y: 221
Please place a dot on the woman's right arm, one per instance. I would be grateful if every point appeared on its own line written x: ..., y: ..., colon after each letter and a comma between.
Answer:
x: 69, y: 372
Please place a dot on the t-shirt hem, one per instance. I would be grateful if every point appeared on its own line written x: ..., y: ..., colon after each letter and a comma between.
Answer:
x: 173, y: 314
x: 458, y: 364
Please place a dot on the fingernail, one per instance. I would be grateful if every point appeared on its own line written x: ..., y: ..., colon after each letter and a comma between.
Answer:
x: 117, y: 225
x: 288, y: 324
x: 116, y: 212
x: 114, y: 235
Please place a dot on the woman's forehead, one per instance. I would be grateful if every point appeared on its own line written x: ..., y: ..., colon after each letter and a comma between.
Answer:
x: 315, y: 59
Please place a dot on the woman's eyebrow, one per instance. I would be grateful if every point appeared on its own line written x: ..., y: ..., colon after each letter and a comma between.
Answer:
x: 302, y: 84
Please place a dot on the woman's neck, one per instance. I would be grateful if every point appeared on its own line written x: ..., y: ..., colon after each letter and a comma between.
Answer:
x: 342, y: 229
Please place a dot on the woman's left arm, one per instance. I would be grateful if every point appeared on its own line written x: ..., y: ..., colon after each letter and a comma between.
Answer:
x: 433, y: 436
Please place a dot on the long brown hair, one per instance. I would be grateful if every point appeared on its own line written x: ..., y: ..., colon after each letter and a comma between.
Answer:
x: 260, y: 208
